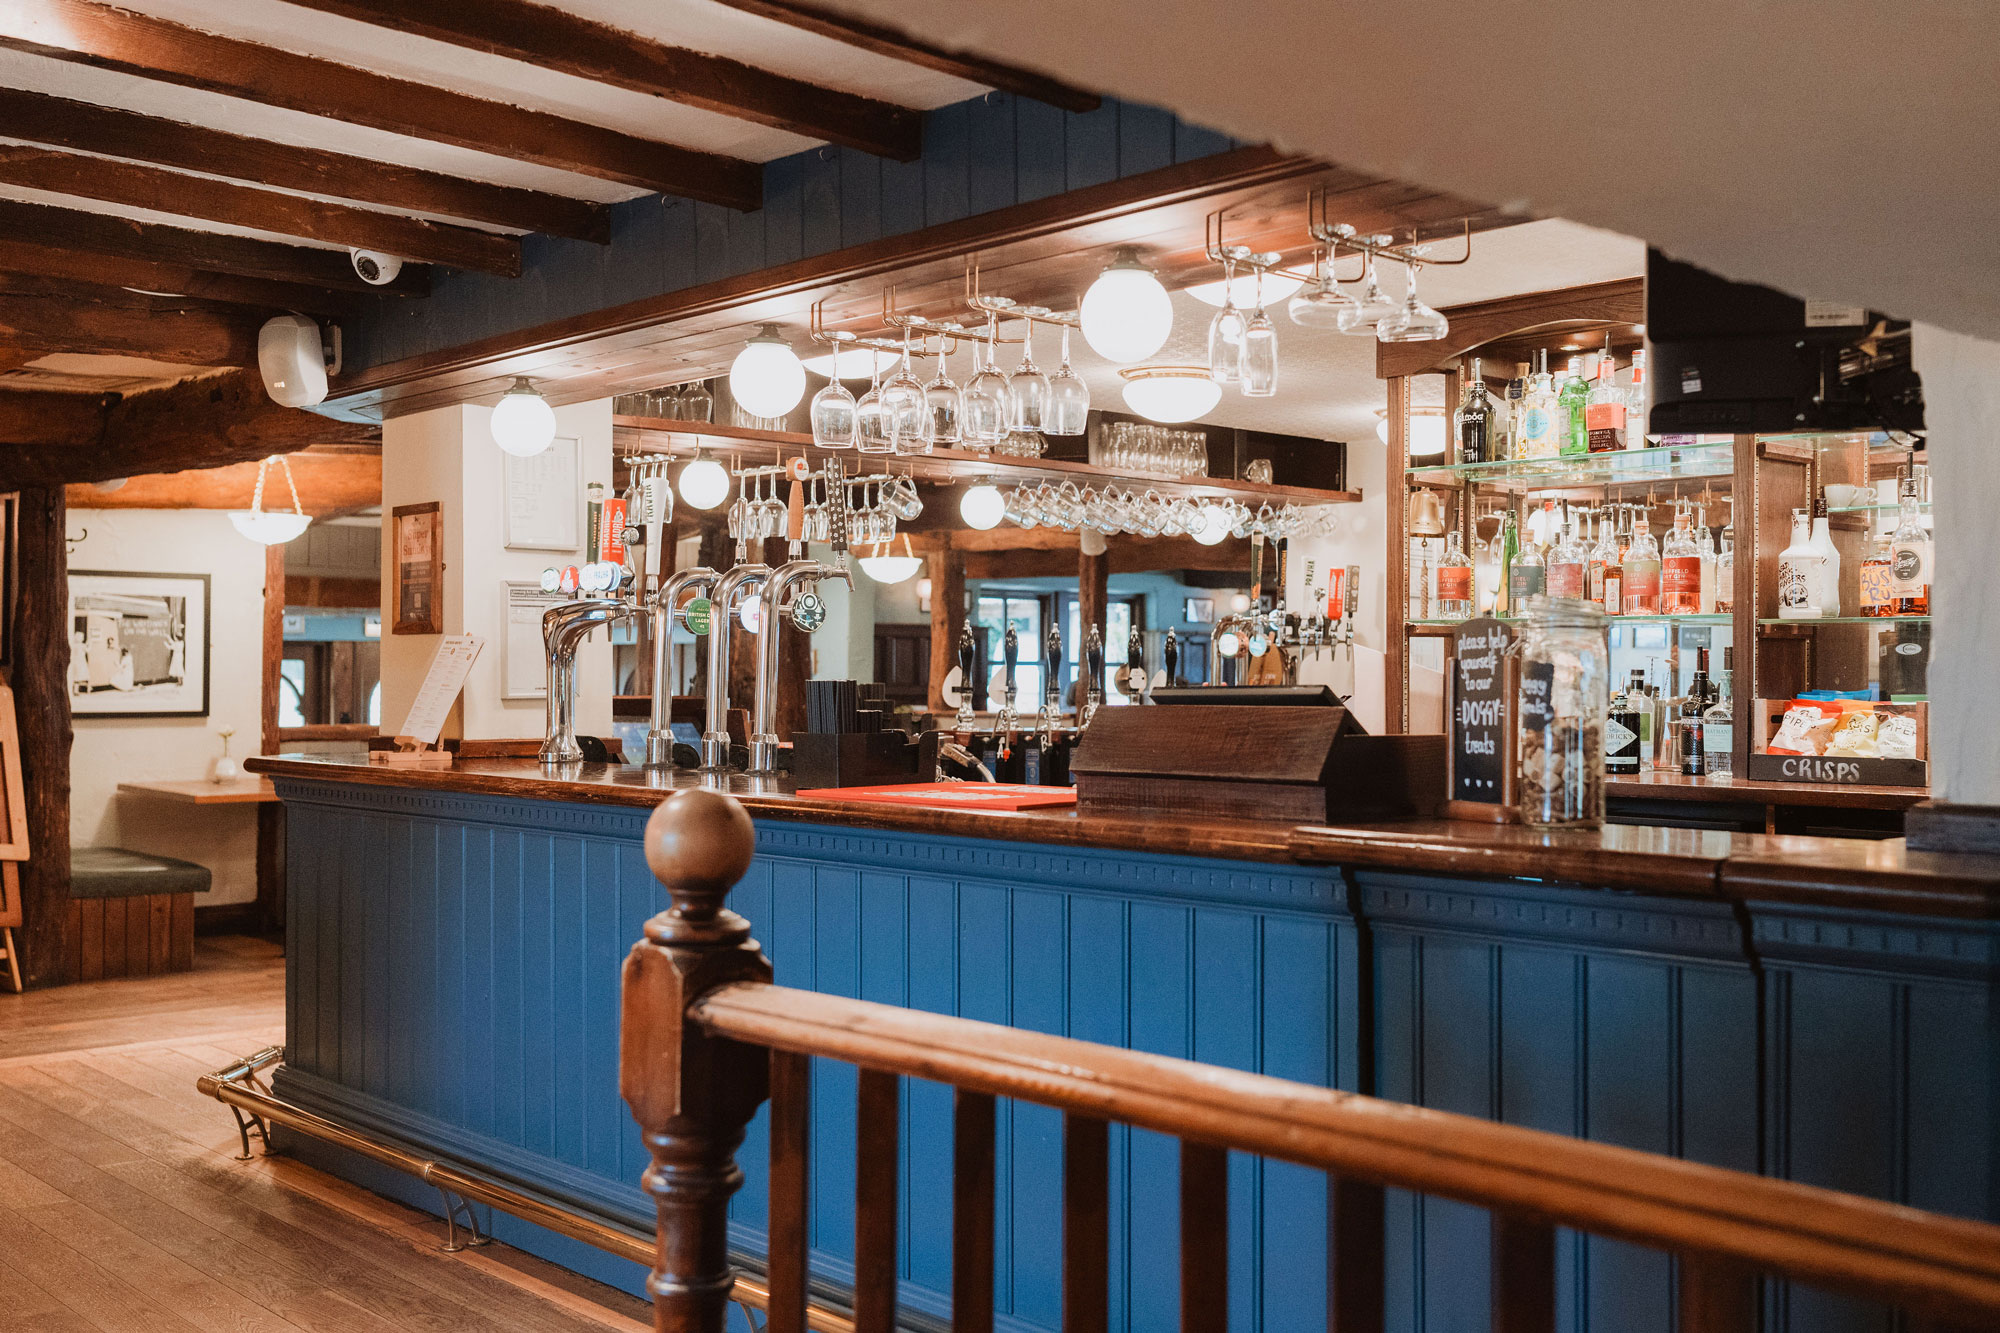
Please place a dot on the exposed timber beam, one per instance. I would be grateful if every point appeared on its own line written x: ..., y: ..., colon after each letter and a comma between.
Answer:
x: 331, y: 480
x: 52, y: 439
x: 40, y: 118
x: 113, y: 182
x: 13, y: 358
x: 53, y: 316
x: 83, y: 32
x: 884, y: 41
x: 553, y: 39
x: 123, y: 238
x: 52, y: 261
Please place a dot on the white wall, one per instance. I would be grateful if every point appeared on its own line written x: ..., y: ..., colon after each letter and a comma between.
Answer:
x: 108, y: 751
x: 448, y: 455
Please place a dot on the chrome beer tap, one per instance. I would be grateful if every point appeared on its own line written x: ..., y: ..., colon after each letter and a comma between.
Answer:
x: 664, y: 610
x: 564, y: 627
x: 1004, y: 724
x: 743, y: 579
x: 800, y: 578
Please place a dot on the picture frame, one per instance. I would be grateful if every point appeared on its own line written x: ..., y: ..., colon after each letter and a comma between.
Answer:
x: 1200, y: 611
x: 139, y: 644
x: 523, y: 662
x: 544, y: 497
x: 417, y: 552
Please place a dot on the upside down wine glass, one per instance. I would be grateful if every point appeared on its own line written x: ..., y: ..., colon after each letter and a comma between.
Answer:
x: 983, y: 405
x: 1027, y: 387
x: 833, y: 411
x: 1068, y: 410
x: 1225, y: 332
x: 1371, y: 307
x: 1413, y: 322
x: 943, y: 397
x: 1321, y: 304
x: 1260, y: 350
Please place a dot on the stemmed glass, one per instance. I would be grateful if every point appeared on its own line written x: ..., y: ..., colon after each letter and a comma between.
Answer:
x: 907, y: 410
x: 1068, y: 410
x: 1260, y: 350
x: 1360, y: 318
x: 1320, y: 305
x: 833, y: 412
x: 1225, y: 332
x: 983, y: 405
x: 871, y: 421
x: 1414, y: 322
x: 943, y: 397
x: 1027, y: 387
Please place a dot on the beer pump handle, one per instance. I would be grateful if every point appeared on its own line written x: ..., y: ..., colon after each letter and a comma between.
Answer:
x: 968, y: 652
x: 1094, y: 656
x: 1170, y: 658
x: 1052, y: 668
x: 836, y: 513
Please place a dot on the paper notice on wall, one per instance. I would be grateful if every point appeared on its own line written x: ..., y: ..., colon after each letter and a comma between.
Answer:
x: 442, y: 683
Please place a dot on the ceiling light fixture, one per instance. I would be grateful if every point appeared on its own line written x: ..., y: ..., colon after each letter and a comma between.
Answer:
x: 1216, y: 520
x: 704, y: 482
x: 884, y: 566
x: 1427, y: 430
x: 1170, y: 393
x: 271, y: 527
x: 1126, y: 315
x: 982, y: 507
x: 523, y: 422
x: 766, y: 378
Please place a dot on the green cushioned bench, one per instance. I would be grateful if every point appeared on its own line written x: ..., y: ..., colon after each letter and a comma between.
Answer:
x: 131, y: 913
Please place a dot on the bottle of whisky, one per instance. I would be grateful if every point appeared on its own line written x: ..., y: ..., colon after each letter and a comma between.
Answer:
x: 1718, y: 724
x: 1573, y: 402
x: 1475, y: 420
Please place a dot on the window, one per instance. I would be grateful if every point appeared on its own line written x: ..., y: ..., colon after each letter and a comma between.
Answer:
x: 1120, y: 615
x: 291, y: 692
x: 1024, y: 611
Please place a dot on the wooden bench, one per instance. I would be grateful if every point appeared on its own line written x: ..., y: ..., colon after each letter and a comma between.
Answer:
x: 131, y: 913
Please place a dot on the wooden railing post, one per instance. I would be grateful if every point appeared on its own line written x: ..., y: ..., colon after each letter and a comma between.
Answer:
x: 692, y: 1094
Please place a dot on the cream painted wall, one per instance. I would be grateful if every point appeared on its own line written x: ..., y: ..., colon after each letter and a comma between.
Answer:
x: 448, y: 455
x: 108, y: 751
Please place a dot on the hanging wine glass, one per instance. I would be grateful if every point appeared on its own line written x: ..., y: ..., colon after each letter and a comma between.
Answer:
x: 983, y: 405
x: 1369, y: 308
x: 1322, y: 302
x: 871, y: 422
x: 833, y: 411
x: 1414, y: 322
x: 1027, y: 387
x: 1068, y: 410
x: 943, y: 397
x: 907, y: 410
x: 1260, y: 350
x: 1225, y: 332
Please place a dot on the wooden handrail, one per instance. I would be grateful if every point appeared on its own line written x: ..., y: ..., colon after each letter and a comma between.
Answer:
x: 706, y: 1035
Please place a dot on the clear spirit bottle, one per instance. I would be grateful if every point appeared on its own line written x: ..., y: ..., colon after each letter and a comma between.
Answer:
x: 1910, y: 555
x: 1725, y: 573
x: 1540, y: 412
x: 1567, y: 559
x: 1635, y: 403
x: 1718, y: 724
x: 1526, y: 577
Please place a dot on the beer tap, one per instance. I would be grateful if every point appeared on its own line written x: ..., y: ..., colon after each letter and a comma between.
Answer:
x: 1004, y: 724
x: 1093, y: 694
x: 564, y: 628
x: 743, y: 579
x: 800, y: 578
x: 665, y: 611
x: 1170, y: 659
x: 1135, y: 666
x: 968, y: 662
x: 1051, y: 688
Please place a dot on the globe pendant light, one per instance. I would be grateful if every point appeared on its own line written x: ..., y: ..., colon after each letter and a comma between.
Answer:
x: 271, y: 527
x: 523, y: 422
x: 704, y: 482
x: 1126, y: 314
x: 982, y: 507
x: 1216, y: 521
x: 1170, y: 393
x: 766, y: 379
x: 883, y: 565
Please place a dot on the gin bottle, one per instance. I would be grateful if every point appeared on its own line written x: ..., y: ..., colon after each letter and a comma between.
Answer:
x: 1573, y: 402
x: 1539, y: 437
x: 1910, y: 555
x: 1604, y: 414
x: 1718, y: 724
x: 1680, y: 578
x: 1642, y: 571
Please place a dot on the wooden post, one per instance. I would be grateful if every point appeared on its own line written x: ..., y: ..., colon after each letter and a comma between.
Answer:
x: 946, y: 568
x: 41, y: 700
x: 691, y: 1094
x: 1093, y: 593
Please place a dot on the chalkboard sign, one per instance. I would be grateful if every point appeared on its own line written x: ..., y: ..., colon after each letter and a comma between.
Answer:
x: 1482, y: 735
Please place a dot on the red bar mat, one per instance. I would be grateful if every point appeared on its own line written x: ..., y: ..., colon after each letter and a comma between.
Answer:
x: 952, y: 795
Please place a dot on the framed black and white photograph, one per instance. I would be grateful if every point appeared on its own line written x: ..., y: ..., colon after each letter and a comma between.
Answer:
x: 138, y: 644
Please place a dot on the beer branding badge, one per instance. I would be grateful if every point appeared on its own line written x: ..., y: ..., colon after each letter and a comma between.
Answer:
x: 698, y: 614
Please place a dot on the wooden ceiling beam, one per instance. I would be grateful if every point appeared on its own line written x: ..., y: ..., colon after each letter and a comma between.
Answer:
x: 40, y: 118
x: 145, y: 275
x: 54, y: 439
x: 331, y: 481
x: 110, y: 181
x: 82, y: 32
x: 67, y: 317
x: 123, y: 238
x: 549, y: 37
x: 884, y: 41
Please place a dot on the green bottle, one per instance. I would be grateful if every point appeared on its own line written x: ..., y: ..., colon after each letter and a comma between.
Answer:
x: 1572, y: 399
x: 1510, y: 547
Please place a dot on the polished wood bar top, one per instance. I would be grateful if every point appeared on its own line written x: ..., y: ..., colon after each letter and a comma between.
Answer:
x: 1668, y: 786
x: 1685, y: 862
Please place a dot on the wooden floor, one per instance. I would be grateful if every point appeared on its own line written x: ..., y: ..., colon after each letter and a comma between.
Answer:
x: 122, y: 1209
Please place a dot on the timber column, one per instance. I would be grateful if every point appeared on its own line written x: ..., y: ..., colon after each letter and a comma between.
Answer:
x: 41, y: 706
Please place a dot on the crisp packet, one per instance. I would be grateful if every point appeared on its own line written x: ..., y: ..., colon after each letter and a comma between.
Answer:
x: 1855, y: 737
x: 1805, y: 730
x: 1896, y: 738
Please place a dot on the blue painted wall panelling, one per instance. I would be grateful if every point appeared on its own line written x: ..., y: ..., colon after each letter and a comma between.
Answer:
x: 981, y: 155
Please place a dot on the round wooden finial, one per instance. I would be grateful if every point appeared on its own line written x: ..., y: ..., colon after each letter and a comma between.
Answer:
x: 699, y: 843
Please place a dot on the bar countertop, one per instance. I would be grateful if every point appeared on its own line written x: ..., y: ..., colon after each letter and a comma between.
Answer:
x: 1686, y: 862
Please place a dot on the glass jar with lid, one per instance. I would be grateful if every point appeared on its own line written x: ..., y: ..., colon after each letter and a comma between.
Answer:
x: 1565, y: 661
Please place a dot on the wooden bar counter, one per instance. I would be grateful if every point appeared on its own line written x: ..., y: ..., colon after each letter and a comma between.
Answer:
x: 1819, y: 1009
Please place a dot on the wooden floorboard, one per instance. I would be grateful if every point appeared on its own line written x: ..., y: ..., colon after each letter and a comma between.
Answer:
x: 122, y: 1206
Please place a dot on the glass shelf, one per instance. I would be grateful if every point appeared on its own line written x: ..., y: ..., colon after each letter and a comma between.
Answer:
x: 1847, y: 620
x: 1691, y: 618
x: 1710, y: 458
x: 1873, y: 509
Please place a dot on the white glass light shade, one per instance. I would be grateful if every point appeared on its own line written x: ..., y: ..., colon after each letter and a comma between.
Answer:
x: 982, y: 507
x: 704, y: 483
x: 1171, y: 393
x: 269, y: 527
x: 1427, y: 431
x: 1126, y: 314
x: 1278, y: 287
x: 523, y: 422
x: 890, y: 568
x: 766, y: 378
x: 856, y: 363
x: 1215, y: 525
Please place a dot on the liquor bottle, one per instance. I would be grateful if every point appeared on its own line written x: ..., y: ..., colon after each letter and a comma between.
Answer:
x: 1635, y: 403
x: 1878, y: 579
x: 1829, y: 564
x: 1622, y: 735
x: 1517, y: 393
x: 1798, y: 572
x: 1454, y: 581
x: 1486, y: 574
x: 1510, y: 551
x: 1718, y: 724
x: 1680, y: 569
x: 1603, y: 558
x: 1604, y: 414
x: 1540, y: 413
x: 1567, y: 558
x: 1640, y: 700
x: 1693, y: 710
x: 1475, y: 420
x: 1527, y: 577
x: 1725, y: 573
x: 1910, y: 555
x: 1572, y: 402
x: 1642, y: 571
x: 1704, y: 546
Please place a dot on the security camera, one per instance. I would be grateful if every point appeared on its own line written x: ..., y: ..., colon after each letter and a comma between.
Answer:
x: 375, y: 267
